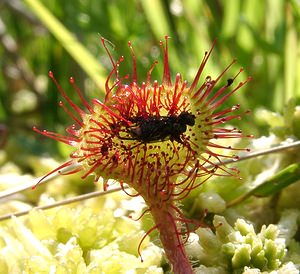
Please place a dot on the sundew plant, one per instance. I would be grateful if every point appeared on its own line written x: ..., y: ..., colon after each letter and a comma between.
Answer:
x: 188, y: 179
x: 157, y: 138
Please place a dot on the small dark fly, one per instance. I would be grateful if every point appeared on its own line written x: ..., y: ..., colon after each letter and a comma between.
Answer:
x: 163, y: 128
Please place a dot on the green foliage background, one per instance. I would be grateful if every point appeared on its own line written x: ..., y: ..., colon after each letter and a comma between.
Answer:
x: 262, y: 35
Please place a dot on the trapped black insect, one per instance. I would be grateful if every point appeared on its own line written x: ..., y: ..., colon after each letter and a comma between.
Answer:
x: 163, y: 128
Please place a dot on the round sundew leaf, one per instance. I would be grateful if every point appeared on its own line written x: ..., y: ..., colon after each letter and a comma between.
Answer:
x: 158, y: 138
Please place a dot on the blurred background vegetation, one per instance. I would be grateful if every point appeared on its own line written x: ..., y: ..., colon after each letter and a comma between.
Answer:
x: 64, y: 36
x: 262, y: 35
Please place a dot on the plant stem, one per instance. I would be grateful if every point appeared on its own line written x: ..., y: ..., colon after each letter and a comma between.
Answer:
x: 165, y: 219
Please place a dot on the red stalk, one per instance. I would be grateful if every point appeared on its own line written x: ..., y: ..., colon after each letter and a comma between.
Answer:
x: 164, y: 218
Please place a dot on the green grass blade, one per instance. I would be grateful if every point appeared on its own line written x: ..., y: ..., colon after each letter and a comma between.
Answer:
x: 290, y: 52
x: 82, y: 56
x: 156, y: 17
x: 231, y: 18
x: 279, y: 181
x: 276, y: 183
